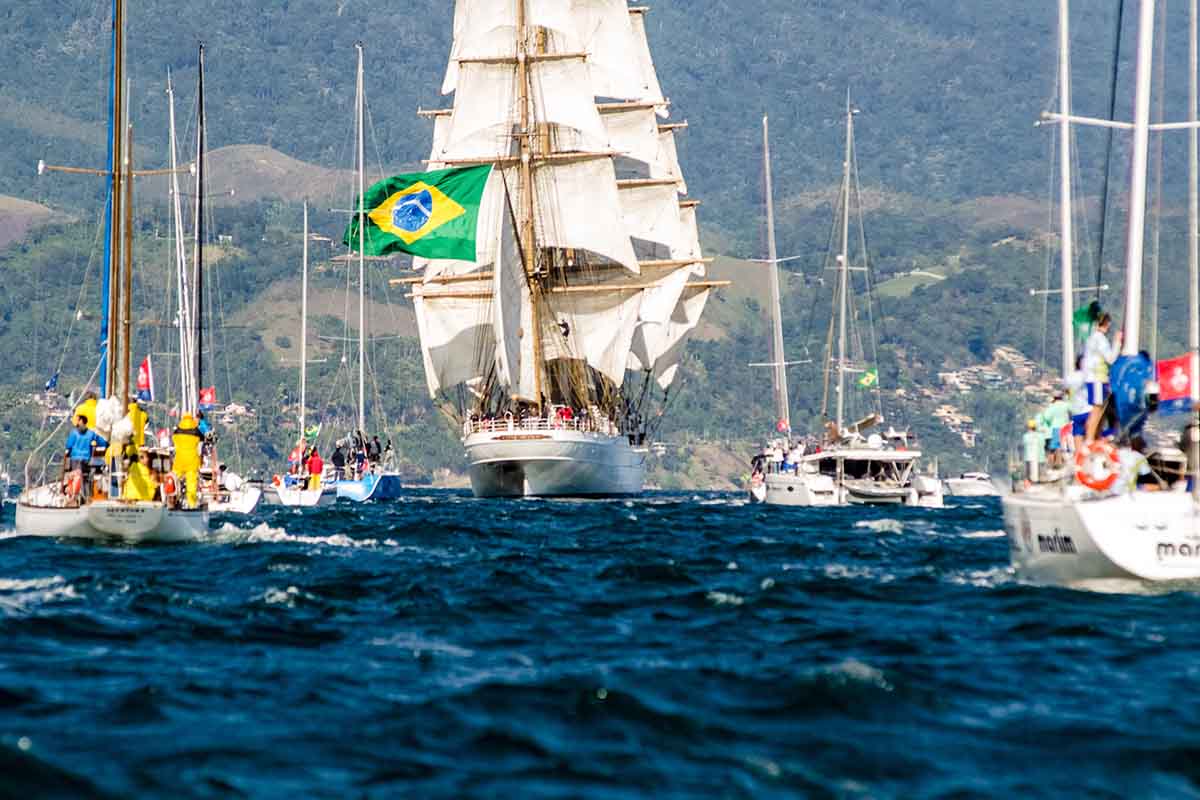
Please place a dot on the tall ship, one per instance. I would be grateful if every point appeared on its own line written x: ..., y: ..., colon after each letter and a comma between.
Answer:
x: 845, y: 462
x: 558, y: 345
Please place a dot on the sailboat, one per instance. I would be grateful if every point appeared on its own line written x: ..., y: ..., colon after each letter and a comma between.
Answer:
x: 96, y: 511
x: 280, y: 492
x: 378, y: 481
x: 1066, y: 532
x: 551, y: 346
x: 843, y: 464
x: 222, y: 493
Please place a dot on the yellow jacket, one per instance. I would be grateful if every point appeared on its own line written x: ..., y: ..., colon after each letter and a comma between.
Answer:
x: 140, y: 483
x: 87, y: 409
x: 138, y: 418
x: 187, y: 446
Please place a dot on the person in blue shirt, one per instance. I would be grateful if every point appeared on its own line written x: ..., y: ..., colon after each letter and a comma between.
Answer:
x: 80, y: 447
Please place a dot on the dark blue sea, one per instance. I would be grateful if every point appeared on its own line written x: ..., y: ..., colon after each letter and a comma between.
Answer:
x: 676, y: 646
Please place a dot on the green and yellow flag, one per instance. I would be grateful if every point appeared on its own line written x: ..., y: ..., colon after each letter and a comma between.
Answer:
x: 869, y: 378
x: 429, y: 214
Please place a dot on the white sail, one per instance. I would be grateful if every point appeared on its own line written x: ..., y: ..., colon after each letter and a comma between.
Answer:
x: 455, y: 326
x: 650, y: 212
x: 512, y: 312
x: 687, y: 245
x: 488, y: 29
x: 579, y: 209
x: 652, y: 91
x: 481, y: 125
x: 634, y: 133
x: 666, y: 163
x: 595, y: 326
x: 557, y: 99
x: 677, y: 332
x: 441, y: 139
x: 607, y: 35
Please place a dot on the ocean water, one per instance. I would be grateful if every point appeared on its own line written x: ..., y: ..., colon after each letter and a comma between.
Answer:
x: 676, y: 646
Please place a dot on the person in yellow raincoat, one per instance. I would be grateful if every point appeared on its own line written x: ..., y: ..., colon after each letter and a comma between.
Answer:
x: 140, y: 482
x: 187, y: 456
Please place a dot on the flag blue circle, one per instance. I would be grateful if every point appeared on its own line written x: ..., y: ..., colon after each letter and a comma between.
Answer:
x: 413, y: 212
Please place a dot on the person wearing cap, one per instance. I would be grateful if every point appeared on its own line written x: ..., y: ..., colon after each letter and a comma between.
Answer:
x: 1034, y: 445
x: 1053, y: 419
x: 187, y: 456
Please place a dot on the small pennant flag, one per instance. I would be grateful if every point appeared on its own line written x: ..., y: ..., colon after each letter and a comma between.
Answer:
x: 52, y: 384
x: 208, y: 398
x: 145, y: 382
x: 429, y: 214
x: 869, y: 378
x: 1174, y: 377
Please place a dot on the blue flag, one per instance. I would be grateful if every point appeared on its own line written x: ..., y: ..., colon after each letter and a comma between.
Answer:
x: 52, y: 384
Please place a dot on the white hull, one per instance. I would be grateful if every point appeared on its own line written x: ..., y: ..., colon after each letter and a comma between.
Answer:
x: 300, y: 498
x: 554, y: 463
x: 242, y: 501
x: 786, y: 489
x: 109, y: 519
x: 1057, y: 539
x: 968, y: 487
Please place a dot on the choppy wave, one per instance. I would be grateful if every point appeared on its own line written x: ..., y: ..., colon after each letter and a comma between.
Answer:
x: 684, y: 645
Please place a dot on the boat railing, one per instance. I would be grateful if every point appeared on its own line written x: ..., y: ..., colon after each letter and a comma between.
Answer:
x: 510, y: 424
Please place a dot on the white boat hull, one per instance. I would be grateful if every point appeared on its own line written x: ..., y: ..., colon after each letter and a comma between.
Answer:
x: 554, y: 463
x: 1147, y: 536
x: 787, y: 489
x: 109, y: 519
x: 959, y: 487
x: 241, y: 501
x: 300, y: 498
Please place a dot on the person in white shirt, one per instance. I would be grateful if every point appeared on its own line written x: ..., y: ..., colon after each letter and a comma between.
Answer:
x: 1076, y: 384
x: 1098, y: 357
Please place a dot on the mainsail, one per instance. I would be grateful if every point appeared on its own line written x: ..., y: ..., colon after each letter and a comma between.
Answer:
x: 585, y: 279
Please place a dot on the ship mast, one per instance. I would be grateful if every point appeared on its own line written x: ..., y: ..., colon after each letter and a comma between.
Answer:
x: 1137, y: 191
x: 844, y: 269
x: 360, y: 101
x: 782, y: 416
x: 304, y: 326
x: 1066, y: 221
x: 525, y: 137
x: 198, y: 247
x: 116, y: 178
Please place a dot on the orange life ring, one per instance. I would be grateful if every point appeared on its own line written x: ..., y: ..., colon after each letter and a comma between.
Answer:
x: 1098, y: 453
x: 168, y: 485
x: 276, y: 481
x: 75, y: 484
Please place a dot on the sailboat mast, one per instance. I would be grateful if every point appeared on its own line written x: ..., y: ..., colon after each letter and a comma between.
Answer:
x: 1194, y: 231
x: 782, y: 417
x: 126, y: 306
x: 525, y: 139
x: 362, y: 248
x: 1066, y: 202
x: 198, y: 304
x: 1137, y: 190
x: 185, y: 324
x: 304, y: 327
x: 117, y: 178
x: 844, y: 269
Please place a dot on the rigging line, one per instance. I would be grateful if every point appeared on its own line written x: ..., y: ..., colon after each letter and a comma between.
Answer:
x: 1082, y: 238
x: 1112, y: 112
x: 82, y: 292
x: 872, y: 299
x: 1049, y: 251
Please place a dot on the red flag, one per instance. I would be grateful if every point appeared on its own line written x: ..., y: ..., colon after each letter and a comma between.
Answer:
x: 145, y: 382
x: 1175, y: 378
x: 208, y: 397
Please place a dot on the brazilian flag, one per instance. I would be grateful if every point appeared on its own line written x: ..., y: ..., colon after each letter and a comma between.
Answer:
x: 428, y: 214
x: 869, y: 378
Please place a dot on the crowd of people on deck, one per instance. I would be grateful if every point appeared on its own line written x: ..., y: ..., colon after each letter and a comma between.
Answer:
x: 1081, y: 420
x: 140, y: 467
x: 352, y: 458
